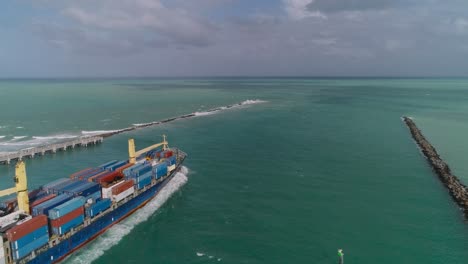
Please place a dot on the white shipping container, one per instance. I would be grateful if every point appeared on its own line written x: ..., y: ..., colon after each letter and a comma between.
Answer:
x: 119, y: 197
x: 107, y: 192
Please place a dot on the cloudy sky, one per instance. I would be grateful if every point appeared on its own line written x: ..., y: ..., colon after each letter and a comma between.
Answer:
x: 93, y: 38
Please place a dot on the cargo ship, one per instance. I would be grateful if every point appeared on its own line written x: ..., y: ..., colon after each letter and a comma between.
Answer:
x: 47, y: 224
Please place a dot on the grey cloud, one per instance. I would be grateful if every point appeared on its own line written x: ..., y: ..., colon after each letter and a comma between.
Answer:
x: 331, y: 6
x: 174, y: 25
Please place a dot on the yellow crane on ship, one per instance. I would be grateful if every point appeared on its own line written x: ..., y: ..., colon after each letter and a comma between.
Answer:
x: 134, y: 154
x: 21, y: 187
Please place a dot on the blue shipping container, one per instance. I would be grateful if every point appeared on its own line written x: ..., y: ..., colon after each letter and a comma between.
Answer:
x: 66, y: 207
x: 94, y: 196
x: 98, y: 207
x: 143, y: 177
x: 130, y: 171
x: 68, y: 226
x: 58, y: 188
x: 116, y: 165
x: 160, y: 170
x: 108, y: 163
x: 44, y: 207
x: 70, y: 186
x: 20, y: 253
x: 143, y: 183
x: 86, y: 189
x: 29, y: 238
x: 54, y: 183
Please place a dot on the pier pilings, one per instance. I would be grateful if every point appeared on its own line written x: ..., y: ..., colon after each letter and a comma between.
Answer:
x: 6, y: 158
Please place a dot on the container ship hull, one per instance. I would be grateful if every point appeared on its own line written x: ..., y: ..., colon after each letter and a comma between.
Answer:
x: 87, y: 234
x: 48, y: 224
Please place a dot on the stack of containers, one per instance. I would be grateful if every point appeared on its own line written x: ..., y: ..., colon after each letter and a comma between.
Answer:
x: 44, y: 207
x: 89, y: 190
x: 94, y: 173
x: 107, y: 191
x: 129, y: 171
x: 108, y: 177
x: 59, y: 187
x: 77, y: 175
x: 116, y: 165
x: 123, y: 190
x: 92, y: 177
x: 141, y: 175
x: 65, y: 223
x: 28, y: 236
x: 53, y: 184
x: 67, y: 207
x: 98, y: 207
x: 160, y: 170
x: 41, y: 200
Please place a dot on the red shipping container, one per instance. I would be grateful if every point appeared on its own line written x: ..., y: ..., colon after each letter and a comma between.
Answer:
x: 25, y: 228
x: 91, y: 179
x: 122, y: 187
x: 124, y: 167
x: 109, y: 177
x: 43, y: 199
x: 73, y: 176
x: 67, y: 218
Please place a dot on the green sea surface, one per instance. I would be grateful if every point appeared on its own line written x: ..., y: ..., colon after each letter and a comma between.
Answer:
x: 316, y: 165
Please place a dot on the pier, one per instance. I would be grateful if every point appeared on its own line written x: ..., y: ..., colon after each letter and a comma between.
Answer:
x: 6, y: 158
x: 456, y: 188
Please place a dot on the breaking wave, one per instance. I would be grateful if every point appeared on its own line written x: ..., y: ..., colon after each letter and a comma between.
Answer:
x: 204, y: 113
x: 100, y: 132
x: 19, y: 137
x: 65, y: 136
x: 115, y: 234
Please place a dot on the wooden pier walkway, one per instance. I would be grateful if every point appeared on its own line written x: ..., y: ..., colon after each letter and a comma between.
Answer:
x: 6, y: 158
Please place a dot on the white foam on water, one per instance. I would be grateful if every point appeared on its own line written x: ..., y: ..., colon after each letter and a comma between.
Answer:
x: 200, y: 254
x: 98, y: 132
x: 205, y: 113
x: 115, y: 234
x: 2, y: 137
x: 255, y: 101
x: 19, y: 137
x: 20, y: 127
x: 64, y: 136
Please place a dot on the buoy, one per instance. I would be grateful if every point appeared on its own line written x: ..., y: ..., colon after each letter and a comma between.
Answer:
x: 341, y: 256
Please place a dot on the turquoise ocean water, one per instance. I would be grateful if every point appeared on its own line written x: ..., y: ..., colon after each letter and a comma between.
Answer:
x: 316, y: 165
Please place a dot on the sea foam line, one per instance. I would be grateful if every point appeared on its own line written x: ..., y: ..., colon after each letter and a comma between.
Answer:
x: 108, y: 133
x: 116, y: 233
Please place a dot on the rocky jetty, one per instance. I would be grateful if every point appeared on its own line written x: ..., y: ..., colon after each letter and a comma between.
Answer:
x: 456, y: 188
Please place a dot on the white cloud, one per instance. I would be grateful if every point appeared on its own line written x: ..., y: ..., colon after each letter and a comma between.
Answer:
x: 297, y: 9
x: 461, y: 25
x: 175, y: 24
